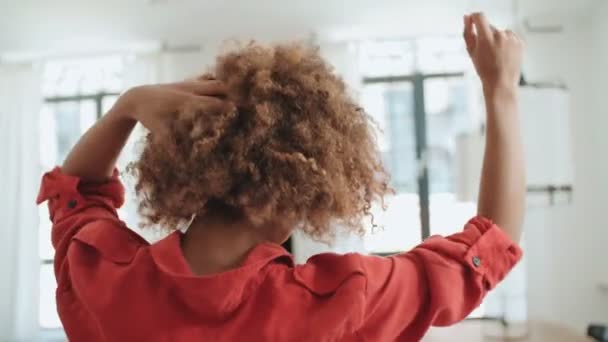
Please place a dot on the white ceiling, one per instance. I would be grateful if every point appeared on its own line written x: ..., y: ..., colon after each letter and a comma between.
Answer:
x: 33, y: 25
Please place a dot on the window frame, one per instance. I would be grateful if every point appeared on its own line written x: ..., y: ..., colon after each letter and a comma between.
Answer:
x: 417, y: 79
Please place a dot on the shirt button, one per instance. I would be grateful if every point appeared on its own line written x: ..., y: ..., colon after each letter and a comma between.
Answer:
x: 72, y: 204
x: 476, y: 261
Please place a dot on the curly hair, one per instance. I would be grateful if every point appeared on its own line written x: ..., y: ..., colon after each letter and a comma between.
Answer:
x: 297, y: 145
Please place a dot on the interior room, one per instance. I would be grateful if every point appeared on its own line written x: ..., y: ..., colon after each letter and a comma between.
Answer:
x: 64, y: 64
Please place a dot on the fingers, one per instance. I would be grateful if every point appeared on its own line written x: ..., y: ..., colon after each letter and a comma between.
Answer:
x: 507, y: 36
x: 476, y: 25
x: 482, y: 26
x: 212, y: 94
x: 470, y: 38
x: 203, y: 87
x: 499, y: 35
x: 512, y: 35
x: 215, y: 104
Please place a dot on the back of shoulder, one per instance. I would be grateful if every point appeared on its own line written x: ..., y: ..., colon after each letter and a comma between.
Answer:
x: 324, y: 274
x: 111, y: 239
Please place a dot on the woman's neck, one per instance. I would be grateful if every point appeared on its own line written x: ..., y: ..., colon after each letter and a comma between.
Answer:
x: 210, y: 246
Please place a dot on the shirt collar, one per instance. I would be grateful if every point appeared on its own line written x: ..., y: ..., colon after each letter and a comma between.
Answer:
x: 167, y: 254
x: 220, y: 293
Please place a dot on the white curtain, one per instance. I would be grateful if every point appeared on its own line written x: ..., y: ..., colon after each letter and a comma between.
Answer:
x: 20, y: 101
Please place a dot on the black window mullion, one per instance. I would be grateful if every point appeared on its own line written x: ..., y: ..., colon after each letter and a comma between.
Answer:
x: 421, y: 146
x: 98, y: 105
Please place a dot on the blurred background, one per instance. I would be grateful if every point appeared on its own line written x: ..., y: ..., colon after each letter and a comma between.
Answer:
x: 63, y: 64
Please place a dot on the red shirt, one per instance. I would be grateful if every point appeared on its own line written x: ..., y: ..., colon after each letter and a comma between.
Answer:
x: 115, y: 286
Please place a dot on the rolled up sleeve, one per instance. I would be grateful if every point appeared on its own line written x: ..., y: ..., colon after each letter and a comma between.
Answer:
x: 74, y: 203
x: 437, y: 283
x: 482, y: 247
x: 69, y: 195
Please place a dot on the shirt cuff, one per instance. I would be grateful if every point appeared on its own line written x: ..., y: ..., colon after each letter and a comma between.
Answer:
x: 68, y: 193
x: 493, y: 254
x: 483, y: 247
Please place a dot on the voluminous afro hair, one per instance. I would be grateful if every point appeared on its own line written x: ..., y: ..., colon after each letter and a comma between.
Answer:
x: 296, y: 146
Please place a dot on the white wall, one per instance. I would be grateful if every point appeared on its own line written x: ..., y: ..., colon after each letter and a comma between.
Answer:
x: 599, y: 88
x: 565, y: 258
x: 114, y: 21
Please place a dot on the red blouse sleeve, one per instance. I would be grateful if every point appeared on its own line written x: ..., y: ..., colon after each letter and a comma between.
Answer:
x: 437, y: 283
x: 73, y: 203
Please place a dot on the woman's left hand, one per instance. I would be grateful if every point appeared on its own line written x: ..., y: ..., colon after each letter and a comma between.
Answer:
x: 154, y: 105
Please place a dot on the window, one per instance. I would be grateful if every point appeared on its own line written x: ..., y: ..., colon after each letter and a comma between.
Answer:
x: 446, y: 107
x: 77, y: 92
x: 392, y: 106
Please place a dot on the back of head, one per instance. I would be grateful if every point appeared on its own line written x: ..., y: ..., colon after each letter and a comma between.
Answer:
x: 296, y: 146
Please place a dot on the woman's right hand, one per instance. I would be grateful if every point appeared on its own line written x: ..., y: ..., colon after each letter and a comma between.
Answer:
x: 496, y: 54
x: 155, y: 105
